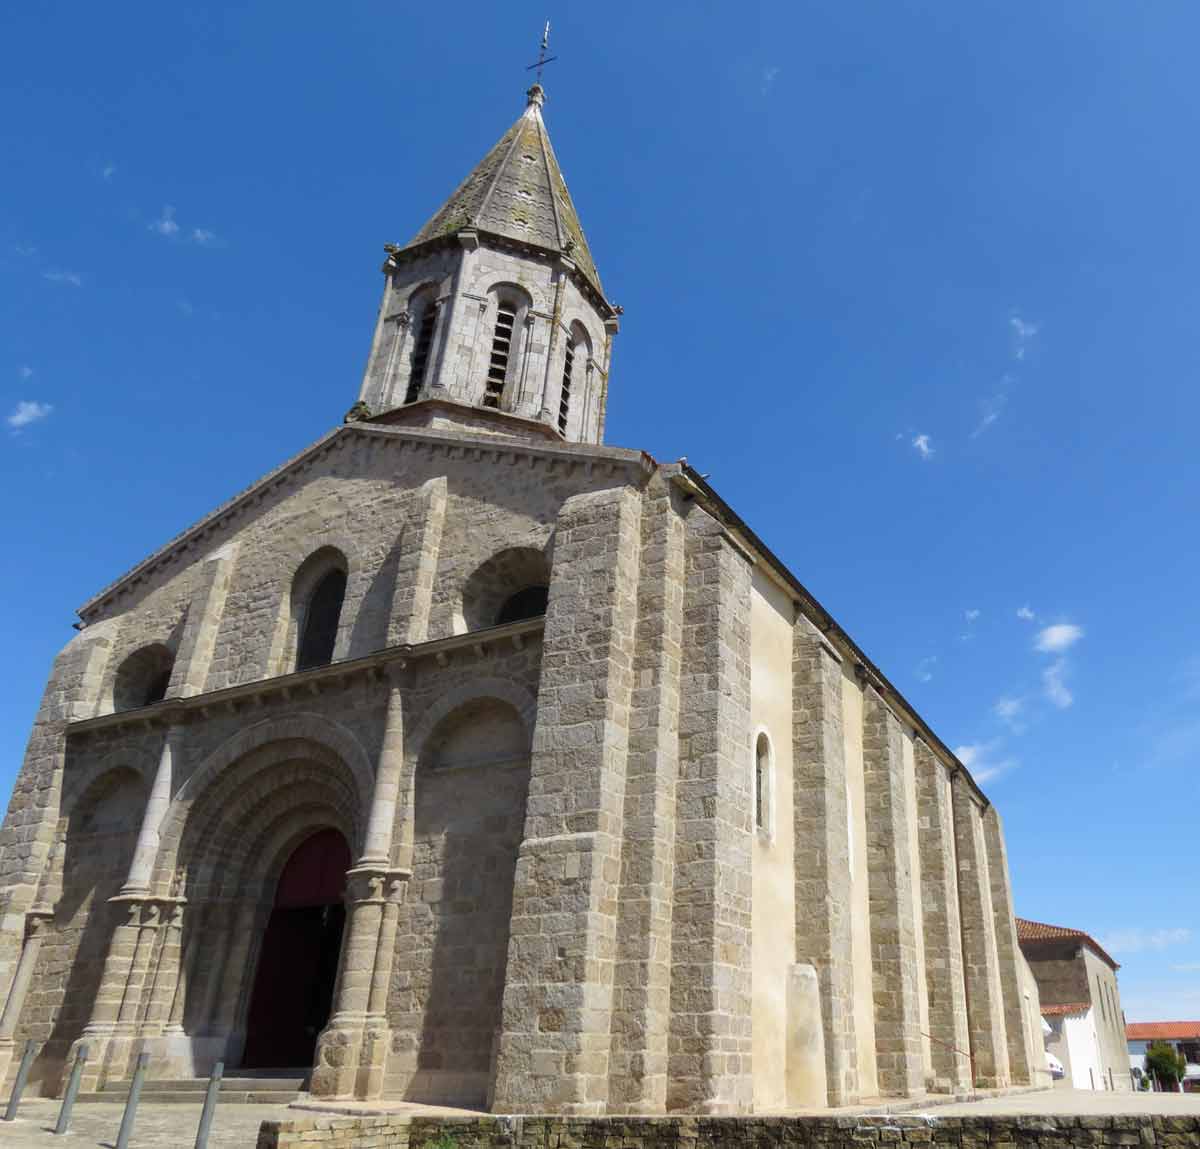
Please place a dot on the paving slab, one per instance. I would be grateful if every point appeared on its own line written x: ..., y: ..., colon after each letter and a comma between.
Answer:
x: 96, y: 1123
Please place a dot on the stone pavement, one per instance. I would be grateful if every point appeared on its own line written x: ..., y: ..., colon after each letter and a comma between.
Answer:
x: 96, y: 1124
x: 1077, y: 1103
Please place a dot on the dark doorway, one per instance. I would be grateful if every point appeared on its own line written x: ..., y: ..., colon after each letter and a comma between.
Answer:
x: 297, y: 965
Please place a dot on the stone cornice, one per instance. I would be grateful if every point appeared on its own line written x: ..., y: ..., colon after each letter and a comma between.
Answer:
x: 202, y: 535
x: 375, y: 667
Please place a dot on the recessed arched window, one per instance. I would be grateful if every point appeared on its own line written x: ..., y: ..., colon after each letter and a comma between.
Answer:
x: 319, y: 624
x: 142, y: 679
x: 502, y: 348
x: 762, y: 784
x: 426, y: 323
x: 529, y: 602
x: 578, y: 351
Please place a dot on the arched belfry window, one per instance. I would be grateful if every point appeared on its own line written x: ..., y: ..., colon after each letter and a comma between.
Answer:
x: 426, y: 323
x: 511, y: 310
x: 529, y: 602
x: 318, y: 592
x: 502, y: 352
x: 762, y: 784
x: 578, y: 351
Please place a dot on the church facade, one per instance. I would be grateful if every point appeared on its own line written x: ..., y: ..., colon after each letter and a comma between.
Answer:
x: 466, y: 759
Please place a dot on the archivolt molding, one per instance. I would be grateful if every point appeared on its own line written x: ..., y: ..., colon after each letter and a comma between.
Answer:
x: 328, y: 736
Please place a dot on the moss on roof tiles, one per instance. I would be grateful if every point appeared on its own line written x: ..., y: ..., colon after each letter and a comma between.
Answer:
x: 517, y: 191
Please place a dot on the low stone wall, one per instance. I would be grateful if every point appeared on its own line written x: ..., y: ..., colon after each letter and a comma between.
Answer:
x: 396, y: 1132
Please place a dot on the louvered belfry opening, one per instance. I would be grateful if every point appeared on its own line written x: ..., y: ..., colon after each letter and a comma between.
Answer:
x: 564, y: 398
x: 506, y: 317
x: 420, y: 356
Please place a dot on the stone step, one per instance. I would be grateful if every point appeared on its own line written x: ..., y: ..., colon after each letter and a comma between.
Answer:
x: 196, y: 1096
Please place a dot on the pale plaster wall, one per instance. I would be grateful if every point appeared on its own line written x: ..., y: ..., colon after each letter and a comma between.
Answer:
x: 1109, y: 1021
x: 774, y: 917
x: 860, y: 926
x: 908, y: 761
x: 1083, y: 1047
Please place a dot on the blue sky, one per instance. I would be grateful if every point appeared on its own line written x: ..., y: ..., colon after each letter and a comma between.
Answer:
x: 916, y: 284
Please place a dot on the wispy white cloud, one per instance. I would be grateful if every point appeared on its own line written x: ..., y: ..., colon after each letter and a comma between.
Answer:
x: 203, y: 236
x: 925, y: 668
x: 109, y: 171
x: 185, y: 307
x: 70, y: 277
x: 25, y: 371
x: 1057, y: 638
x: 1025, y: 613
x: 768, y: 78
x: 25, y: 250
x: 28, y: 411
x: 972, y: 614
x: 1054, y: 687
x: 1139, y: 940
x: 1009, y: 711
x: 1158, y: 1000
x: 1023, y: 334
x: 992, y: 407
x: 165, y: 225
x: 923, y: 445
x: 984, y: 760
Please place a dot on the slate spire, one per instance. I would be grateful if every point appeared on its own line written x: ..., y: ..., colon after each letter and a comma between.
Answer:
x: 517, y: 192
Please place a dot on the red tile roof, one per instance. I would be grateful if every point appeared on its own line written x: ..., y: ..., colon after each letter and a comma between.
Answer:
x: 1028, y: 931
x: 1066, y: 1010
x: 1156, y: 1030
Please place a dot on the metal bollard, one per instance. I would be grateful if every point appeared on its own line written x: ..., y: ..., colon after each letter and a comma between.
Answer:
x: 210, y: 1105
x: 64, y: 1114
x: 14, y: 1098
x: 131, y: 1102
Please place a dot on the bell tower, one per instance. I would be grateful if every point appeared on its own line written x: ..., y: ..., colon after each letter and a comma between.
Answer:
x: 493, y: 318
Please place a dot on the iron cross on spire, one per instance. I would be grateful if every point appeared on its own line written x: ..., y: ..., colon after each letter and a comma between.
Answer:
x: 542, y: 59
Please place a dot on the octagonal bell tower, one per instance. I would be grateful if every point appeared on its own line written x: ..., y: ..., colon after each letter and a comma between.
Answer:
x: 493, y: 318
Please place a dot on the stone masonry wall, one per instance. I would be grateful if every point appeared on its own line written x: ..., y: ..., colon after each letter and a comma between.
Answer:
x: 897, y: 1132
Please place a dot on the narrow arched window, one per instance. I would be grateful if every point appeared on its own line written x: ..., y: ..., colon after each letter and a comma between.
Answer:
x: 502, y: 345
x: 319, y: 624
x: 564, y: 396
x: 143, y: 678
x: 421, y: 352
x: 762, y: 783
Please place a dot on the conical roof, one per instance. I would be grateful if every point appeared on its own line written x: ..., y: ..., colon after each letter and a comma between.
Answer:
x: 517, y: 191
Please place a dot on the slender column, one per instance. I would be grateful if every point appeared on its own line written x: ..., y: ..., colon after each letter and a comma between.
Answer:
x: 985, y: 1010
x: 554, y: 1044
x: 236, y: 976
x: 893, y: 921
x: 131, y: 1000
x: 822, y: 850
x: 377, y: 847
x: 141, y: 869
x: 642, y: 980
x: 339, y: 1047
x: 187, y: 966
x: 219, y: 928
x: 546, y: 411
x: 950, y: 1042
x: 99, y: 1032
x: 168, y: 971
x: 1008, y: 953
x: 377, y: 1034
x: 709, y: 1061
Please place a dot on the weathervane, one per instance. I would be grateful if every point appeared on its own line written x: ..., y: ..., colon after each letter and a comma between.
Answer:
x: 542, y: 59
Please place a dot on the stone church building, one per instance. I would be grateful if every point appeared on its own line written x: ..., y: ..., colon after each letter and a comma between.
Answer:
x: 464, y: 758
